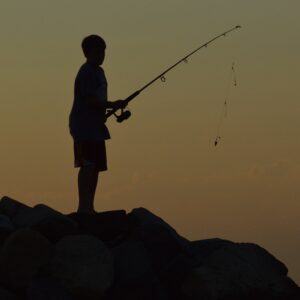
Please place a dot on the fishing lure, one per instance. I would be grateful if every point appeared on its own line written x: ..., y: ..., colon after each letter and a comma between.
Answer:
x: 231, y: 81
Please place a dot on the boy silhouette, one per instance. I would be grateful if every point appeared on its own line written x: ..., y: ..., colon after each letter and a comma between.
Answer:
x: 87, y: 121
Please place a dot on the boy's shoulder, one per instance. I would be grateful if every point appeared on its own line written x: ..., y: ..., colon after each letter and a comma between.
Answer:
x: 88, y: 70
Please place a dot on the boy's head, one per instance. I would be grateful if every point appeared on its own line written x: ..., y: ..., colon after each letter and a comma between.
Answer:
x: 93, y: 47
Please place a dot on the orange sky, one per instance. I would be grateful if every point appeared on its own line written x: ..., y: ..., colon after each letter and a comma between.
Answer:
x: 163, y: 158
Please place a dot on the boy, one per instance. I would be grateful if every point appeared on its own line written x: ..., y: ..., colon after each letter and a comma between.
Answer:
x: 87, y: 121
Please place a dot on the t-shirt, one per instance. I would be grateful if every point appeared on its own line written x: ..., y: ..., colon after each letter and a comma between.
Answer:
x: 87, y: 122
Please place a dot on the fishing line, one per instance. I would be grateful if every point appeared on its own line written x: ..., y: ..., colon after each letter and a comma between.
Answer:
x: 232, y: 81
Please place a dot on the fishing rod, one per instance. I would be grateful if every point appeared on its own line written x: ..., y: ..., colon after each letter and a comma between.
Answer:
x: 126, y: 114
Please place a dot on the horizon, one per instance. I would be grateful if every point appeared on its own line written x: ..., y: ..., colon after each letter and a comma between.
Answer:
x: 163, y: 158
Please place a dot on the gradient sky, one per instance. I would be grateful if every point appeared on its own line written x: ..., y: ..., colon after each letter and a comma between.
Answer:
x: 163, y: 158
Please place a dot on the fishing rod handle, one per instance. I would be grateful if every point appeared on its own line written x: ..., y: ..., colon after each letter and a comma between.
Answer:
x: 128, y: 99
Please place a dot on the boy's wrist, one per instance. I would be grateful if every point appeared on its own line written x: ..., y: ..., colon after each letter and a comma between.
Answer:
x: 115, y: 104
x: 110, y: 104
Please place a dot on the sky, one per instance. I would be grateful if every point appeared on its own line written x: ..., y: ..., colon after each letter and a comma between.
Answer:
x: 163, y: 158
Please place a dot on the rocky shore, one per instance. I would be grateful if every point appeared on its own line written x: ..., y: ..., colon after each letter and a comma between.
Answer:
x: 47, y: 255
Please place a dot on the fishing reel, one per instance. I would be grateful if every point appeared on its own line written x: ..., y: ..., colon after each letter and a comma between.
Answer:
x: 124, y: 115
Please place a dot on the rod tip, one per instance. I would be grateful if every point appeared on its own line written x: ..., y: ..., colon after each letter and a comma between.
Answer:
x: 238, y: 26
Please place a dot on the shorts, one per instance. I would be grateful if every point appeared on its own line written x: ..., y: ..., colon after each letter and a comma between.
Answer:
x: 87, y: 153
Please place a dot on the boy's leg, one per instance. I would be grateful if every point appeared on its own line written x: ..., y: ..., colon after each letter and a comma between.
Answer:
x: 87, y: 184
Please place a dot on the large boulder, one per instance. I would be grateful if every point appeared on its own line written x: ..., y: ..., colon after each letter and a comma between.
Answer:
x: 146, y: 218
x: 6, y: 224
x: 134, y: 274
x: 106, y: 226
x: 51, y: 223
x: 24, y: 252
x: 146, y: 287
x: 7, y: 295
x: 204, y: 248
x: 161, y: 244
x: 38, y: 214
x: 131, y: 261
x: 48, y: 221
x: 6, y: 228
x: 12, y: 208
x: 43, y: 288
x: 171, y: 255
x: 83, y: 265
x: 239, y: 271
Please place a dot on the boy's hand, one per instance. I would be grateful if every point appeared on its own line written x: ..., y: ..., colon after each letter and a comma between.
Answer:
x: 119, y: 104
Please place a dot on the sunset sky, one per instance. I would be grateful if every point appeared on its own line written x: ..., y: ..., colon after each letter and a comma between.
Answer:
x: 246, y: 189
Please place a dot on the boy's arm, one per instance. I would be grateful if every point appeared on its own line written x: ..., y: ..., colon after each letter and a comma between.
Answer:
x: 94, y: 95
x: 94, y: 101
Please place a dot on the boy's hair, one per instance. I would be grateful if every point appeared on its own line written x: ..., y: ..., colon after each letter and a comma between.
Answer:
x: 92, y: 42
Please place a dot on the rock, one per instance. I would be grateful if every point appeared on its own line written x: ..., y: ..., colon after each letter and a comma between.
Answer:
x: 134, y: 275
x: 25, y: 251
x: 39, y: 214
x: 249, y: 258
x: 131, y: 261
x: 113, y: 255
x: 204, y: 248
x: 171, y: 254
x: 6, y: 228
x: 171, y: 261
x: 146, y: 287
x: 105, y: 225
x: 7, y: 295
x: 49, y: 222
x: 162, y: 245
x: 238, y: 271
x: 210, y: 284
x: 42, y: 218
x: 145, y: 217
x: 12, y: 208
x: 213, y: 284
x: 6, y: 224
x: 83, y: 265
x: 43, y: 288
x: 54, y: 228
x: 176, y: 272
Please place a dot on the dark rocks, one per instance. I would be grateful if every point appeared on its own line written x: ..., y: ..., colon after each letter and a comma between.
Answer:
x: 6, y: 224
x: 134, y: 274
x: 204, y: 248
x: 12, y: 208
x: 6, y: 228
x: 105, y: 225
x: 49, y: 222
x: 131, y: 261
x: 169, y: 253
x: 145, y: 287
x: 83, y: 265
x: 113, y: 255
x: 46, y: 220
x: 239, y: 257
x: 25, y: 251
x: 55, y: 227
x: 43, y: 288
x: 147, y: 219
x: 7, y: 295
x: 236, y: 271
